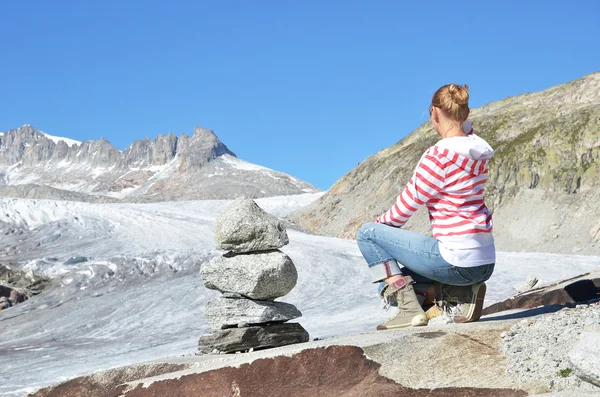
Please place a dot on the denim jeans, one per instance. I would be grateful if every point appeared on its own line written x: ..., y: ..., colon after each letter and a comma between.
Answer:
x: 386, y: 248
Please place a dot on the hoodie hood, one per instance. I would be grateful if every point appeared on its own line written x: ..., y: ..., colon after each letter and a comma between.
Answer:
x: 470, y: 153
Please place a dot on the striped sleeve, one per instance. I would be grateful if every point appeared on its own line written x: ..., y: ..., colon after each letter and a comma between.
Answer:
x: 427, y: 181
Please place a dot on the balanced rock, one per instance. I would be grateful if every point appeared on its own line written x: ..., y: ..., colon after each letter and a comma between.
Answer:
x: 245, y: 227
x: 227, y: 312
x: 240, y: 339
x: 261, y: 276
x: 585, y: 357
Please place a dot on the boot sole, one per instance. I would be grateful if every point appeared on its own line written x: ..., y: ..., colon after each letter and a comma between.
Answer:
x: 477, y: 308
x: 419, y: 320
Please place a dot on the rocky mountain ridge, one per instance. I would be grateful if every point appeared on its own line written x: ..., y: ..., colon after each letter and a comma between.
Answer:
x: 544, y: 176
x: 36, y: 165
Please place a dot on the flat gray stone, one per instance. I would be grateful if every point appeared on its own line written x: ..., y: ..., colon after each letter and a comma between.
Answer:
x: 231, y: 340
x: 260, y: 276
x: 245, y: 227
x: 227, y: 313
x: 585, y: 358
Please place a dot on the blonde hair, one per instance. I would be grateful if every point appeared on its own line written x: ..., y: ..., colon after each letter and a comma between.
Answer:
x: 453, y: 100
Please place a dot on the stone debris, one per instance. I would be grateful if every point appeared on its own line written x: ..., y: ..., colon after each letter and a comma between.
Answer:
x: 251, y: 275
x: 538, y: 349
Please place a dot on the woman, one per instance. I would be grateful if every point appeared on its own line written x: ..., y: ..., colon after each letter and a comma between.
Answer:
x: 449, y: 179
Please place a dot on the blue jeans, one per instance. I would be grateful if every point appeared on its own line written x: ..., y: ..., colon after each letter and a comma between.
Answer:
x: 385, y: 248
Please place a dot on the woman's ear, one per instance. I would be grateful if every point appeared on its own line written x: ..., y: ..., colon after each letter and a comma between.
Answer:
x: 435, y: 116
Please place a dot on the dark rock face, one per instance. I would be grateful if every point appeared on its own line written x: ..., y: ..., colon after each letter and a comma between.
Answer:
x: 566, y: 293
x: 33, y: 282
x: 31, y: 147
x: 341, y: 371
x: 147, y: 152
x: 257, y: 337
x: 17, y: 286
x: 10, y: 296
x: 200, y: 148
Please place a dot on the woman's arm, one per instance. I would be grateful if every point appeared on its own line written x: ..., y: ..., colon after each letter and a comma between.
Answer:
x: 427, y: 181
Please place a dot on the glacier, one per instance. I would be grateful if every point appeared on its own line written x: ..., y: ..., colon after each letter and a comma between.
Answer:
x: 128, y: 290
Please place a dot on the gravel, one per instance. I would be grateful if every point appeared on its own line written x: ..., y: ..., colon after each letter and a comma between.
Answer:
x: 537, y: 349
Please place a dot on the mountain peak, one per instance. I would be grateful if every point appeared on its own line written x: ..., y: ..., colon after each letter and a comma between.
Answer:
x: 203, y: 131
x: 168, y: 167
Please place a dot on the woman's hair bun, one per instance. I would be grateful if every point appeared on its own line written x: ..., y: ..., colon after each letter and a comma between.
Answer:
x: 454, y: 100
x: 459, y: 94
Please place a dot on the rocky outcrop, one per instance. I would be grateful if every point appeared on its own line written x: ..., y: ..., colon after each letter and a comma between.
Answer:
x: 544, y: 176
x: 569, y: 292
x: 200, y: 148
x: 17, y: 286
x: 245, y: 317
x: 10, y: 296
x: 188, y: 167
x: 372, y: 364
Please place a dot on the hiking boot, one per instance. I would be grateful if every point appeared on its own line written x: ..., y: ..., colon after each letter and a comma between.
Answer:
x: 391, y: 301
x: 466, y: 302
x: 433, y: 312
x: 410, y: 313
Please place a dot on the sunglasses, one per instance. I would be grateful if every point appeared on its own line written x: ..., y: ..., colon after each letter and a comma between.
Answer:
x: 430, y: 110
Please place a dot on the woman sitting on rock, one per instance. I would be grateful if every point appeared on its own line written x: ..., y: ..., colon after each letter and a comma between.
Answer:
x: 449, y: 179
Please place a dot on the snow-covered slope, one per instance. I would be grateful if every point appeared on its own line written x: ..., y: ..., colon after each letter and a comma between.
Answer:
x: 199, y: 166
x: 128, y: 285
x: 56, y: 139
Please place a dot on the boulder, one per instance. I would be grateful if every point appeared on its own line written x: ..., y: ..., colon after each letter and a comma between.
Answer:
x: 261, y: 276
x: 245, y: 227
x: 4, y: 303
x: 258, y: 337
x: 14, y: 295
x: 569, y: 292
x: 227, y: 313
x: 585, y: 358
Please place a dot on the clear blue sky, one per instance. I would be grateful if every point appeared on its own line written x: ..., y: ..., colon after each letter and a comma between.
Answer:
x: 305, y: 87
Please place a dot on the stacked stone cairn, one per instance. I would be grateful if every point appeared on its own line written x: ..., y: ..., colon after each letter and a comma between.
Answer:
x: 250, y: 276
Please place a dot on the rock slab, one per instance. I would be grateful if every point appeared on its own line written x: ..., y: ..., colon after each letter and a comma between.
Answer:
x: 567, y: 293
x: 230, y: 312
x: 231, y: 340
x: 260, y: 276
x: 585, y: 357
x: 245, y: 227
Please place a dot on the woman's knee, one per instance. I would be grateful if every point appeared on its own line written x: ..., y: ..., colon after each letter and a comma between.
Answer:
x: 366, y: 231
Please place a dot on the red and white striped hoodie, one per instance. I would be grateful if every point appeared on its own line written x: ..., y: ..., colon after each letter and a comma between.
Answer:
x: 450, y: 179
